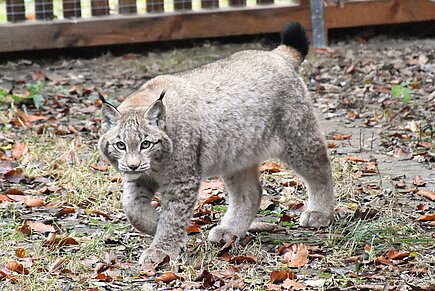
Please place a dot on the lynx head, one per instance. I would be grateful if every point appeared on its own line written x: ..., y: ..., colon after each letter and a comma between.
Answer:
x: 135, y: 141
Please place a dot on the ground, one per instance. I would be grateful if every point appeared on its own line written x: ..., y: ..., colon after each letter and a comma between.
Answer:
x: 61, y: 222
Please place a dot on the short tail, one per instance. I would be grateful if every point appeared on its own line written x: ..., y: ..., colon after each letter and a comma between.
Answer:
x: 293, y: 35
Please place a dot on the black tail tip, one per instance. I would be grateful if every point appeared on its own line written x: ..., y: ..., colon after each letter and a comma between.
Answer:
x: 294, y: 35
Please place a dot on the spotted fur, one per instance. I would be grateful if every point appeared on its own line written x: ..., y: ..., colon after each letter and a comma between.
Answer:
x: 221, y: 119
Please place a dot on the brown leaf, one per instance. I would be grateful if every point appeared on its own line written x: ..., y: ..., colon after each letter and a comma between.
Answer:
x: 193, y: 228
x: 211, y: 199
x: 56, y: 264
x: 15, y: 266
x: 271, y: 167
x: 281, y: 275
x: 394, y: 254
x: 296, y: 255
x: 419, y: 181
x: 100, y: 166
x: 422, y: 207
x: 226, y: 247
x: 331, y: 145
x: 427, y: 217
x: 99, y: 212
x: 19, y: 149
x: 14, y: 176
x: 20, y: 253
x: 167, y: 277
x: 243, y: 259
x: 64, y: 211
x: 4, y: 197
x: 354, y: 159
x: 39, y: 226
x: 55, y: 240
x: 427, y: 194
x: 257, y: 227
x: 288, y: 283
x: 341, y: 136
x: 31, y: 201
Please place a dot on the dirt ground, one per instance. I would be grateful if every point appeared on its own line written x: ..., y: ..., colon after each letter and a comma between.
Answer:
x: 375, y: 99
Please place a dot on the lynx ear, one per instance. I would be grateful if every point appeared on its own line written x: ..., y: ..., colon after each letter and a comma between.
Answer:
x: 156, y: 115
x: 110, y: 114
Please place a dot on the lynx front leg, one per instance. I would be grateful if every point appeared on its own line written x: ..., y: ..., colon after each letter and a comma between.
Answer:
x: 244, y: 200
x: 136, y: 201
x: 178, y: 202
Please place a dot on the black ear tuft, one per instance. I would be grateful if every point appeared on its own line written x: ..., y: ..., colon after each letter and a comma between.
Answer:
x: 156, y: 114
x: 162, y: 95
x: 293, y: 35
x: 110, y: 114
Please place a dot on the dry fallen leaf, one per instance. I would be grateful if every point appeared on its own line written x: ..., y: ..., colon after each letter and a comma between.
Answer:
x: 19, y: 149
x: 20, y: 253
x: 39, y: 226
x: 64, y: 211
x: 193, y: 228
x: 167, y: 277
x: 243, y: 259
x: 31, y: 201
x: 296, y: 255
x: 55, y: 265
x: 394, y: 254
x: 100, y: 166
x: 281, y: 275
x: 354, y: 159
x: 419, y: 181
x: 427, y: 194
x: 15, y: 266
x: 427, y: 217
x: 341, y: 136
x: 271, y: 167
x: 288, y: 283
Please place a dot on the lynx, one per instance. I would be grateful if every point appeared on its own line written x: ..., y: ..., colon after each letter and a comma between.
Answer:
x: 221, y: 119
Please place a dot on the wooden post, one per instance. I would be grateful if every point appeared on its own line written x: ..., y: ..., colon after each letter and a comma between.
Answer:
x: 15, y: 10
x: 99, y: 7
x: 264, y: 2
x: 183, y: 4
x: 155, y: 6
x: 209, y: 3
x: 304, y: 3
x: 43, y: 9
x: 237, y: 3
x: 71, y: 9
x: 127, y: 6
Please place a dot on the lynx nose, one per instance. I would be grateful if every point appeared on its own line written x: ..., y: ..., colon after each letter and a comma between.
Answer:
x: 133, y: 166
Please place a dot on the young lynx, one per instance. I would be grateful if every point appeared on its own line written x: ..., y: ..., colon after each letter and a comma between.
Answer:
x: 221, y: 119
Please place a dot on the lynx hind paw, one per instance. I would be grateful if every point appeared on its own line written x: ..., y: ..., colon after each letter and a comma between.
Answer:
x: 314, y: 218
x: 220, y: 235
x: 152, y: 255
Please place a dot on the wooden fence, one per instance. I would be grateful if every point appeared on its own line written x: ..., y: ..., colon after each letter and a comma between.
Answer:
x: 185, y: 19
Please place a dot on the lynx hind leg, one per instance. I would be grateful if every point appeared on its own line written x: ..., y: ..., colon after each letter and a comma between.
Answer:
x: 136, y: 202
x: 244, y: 190
x: 308, y: 157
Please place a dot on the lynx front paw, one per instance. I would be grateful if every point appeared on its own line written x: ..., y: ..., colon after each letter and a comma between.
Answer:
x: 313, y: 218
x: 152, y: 255
x: 220, y: 235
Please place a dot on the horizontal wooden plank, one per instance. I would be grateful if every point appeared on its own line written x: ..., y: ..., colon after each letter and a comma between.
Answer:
x: 107, y: 30
x: 362, y: 13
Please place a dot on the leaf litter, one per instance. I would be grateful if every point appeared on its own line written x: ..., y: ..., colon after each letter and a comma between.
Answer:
x: 59, y: 203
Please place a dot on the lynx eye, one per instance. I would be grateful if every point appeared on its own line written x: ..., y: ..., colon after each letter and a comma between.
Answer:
x: 145, y: 145
x: 120, y: 145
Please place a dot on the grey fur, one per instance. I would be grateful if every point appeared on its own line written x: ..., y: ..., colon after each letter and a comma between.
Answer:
x: 222, y: 119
